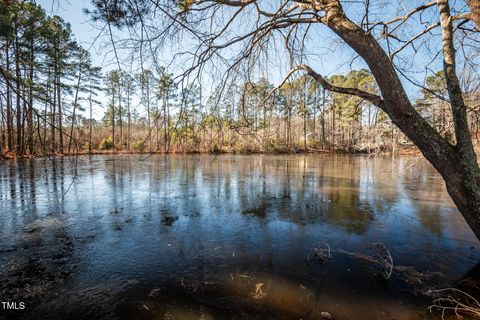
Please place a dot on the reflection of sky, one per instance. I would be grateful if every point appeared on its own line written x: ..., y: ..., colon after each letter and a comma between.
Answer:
x: 116, y: 208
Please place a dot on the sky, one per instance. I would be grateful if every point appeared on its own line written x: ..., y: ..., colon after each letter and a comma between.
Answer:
x: 72, y: 12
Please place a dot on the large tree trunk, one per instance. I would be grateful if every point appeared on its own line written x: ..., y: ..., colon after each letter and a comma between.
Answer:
x: 464, y: 184
x: 457, y: 164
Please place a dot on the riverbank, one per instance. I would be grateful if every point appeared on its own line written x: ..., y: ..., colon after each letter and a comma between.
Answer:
x: 399, y: 151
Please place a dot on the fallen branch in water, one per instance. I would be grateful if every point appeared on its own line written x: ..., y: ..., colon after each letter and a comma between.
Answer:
x: 383, y: 259
x: 323, y: 254
x: 455, y: 300
x: 418, y: 279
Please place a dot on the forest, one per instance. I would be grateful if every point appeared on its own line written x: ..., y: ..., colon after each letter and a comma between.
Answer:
x: 50, y: 89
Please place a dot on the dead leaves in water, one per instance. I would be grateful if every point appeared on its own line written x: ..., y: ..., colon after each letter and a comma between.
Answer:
x: 259, y: 294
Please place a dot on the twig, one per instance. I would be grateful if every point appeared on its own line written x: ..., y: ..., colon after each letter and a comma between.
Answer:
x: 457, y: 301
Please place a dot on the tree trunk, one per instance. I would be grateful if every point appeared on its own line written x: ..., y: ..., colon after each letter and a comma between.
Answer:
x: 464, y: 185
x: 75, y: 101
x: 19, y: 149
x: 60, y: 117
x: 148, y: 116
x: 47, y: 100
x: 113, y: 121
x: 9, y: 103
x: 333, y: 129
x: 129, y: 123
x: 305, y: 131
x: 168, y: 123
x: 53, y: 107
x: 2, y: 125
x: 30, y: 102
x: 120, y: 121
x: 90, y: 123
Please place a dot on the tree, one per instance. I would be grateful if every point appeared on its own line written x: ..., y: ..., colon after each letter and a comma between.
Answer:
x: 37, y: 50
x: 58, y: 52
x: 128, y: 86
x: 146, y: 81
x: 112, y: 84
x: 350, y: 109
x: 93, y: 79
x: 371, y: 41
x: 433, y: 104
x: 165, y: 93
x: 6, y: 28
x: 84, y: 72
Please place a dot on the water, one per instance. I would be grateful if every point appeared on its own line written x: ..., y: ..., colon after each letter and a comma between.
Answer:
x: 228, y: 237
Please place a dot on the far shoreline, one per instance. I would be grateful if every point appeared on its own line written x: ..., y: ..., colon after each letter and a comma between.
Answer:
x: 403, y: 151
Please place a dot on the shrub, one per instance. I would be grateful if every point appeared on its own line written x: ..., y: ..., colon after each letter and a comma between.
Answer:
x: 139, y: 144
x: 106, y: 143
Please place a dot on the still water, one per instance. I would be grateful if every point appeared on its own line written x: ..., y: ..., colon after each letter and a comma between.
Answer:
x: 228, y: 237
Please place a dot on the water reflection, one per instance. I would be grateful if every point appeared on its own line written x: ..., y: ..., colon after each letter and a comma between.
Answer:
x: 121, y: 226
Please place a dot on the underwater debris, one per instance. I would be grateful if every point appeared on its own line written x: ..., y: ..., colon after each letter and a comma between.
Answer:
x: 383, y: 259
x: 154, y: 292
x: 322, y: 254
x: 416, y: 279
x: 454, y: 301
x: 258, y: 291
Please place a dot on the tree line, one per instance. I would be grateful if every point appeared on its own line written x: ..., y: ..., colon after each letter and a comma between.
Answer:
x: 45, y: 78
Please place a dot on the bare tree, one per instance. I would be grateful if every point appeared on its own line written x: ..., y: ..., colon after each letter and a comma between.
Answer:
x: 220, y: 28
